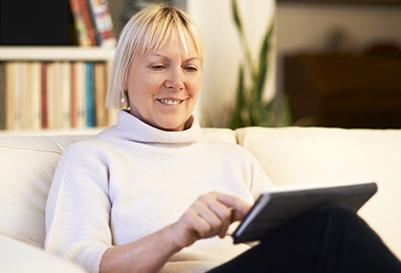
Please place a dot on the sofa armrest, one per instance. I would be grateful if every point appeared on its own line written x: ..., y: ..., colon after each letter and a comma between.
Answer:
x: 19, y: 257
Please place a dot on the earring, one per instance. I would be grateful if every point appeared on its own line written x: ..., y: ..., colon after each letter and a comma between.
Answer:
x: 124, y: 98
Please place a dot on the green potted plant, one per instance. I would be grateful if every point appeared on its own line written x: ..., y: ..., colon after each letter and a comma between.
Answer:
x: 250, y: 109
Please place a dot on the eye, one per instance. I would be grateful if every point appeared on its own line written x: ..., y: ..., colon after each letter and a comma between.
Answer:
x: 190, y: 68
x: 157, y: 67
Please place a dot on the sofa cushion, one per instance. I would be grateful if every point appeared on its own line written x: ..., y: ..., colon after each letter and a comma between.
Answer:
x: 220, y: 134
x: 27, y: 166
x: 28, y: 163
x: 294, y: 155
x: 18, y: 257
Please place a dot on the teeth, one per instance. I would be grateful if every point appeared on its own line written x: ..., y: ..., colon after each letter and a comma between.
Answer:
x: 169, y: 102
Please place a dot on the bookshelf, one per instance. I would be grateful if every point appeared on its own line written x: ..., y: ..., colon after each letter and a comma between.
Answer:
x: 70, y: 71
x: 49, y: 53
x: 55, y: 75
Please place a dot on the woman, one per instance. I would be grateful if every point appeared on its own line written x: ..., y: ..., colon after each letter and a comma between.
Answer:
x: 150, y: 195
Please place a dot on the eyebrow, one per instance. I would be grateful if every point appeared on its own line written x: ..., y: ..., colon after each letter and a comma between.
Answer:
x: 164, y: 57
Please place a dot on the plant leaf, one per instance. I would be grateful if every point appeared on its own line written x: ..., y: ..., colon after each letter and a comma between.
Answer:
x: 264, y: 61
x: 236, y: 17
x: 237, y: 120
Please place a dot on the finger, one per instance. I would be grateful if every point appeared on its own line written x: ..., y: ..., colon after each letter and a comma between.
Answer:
x: 223, y: 232
x: 240, y: 207
x: 221, y: 210
x: 200, y: 226
x: 224, y: 213
x: 208, y: 215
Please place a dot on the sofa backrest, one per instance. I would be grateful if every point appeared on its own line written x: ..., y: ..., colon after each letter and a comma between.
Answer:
x: 293, y: 156
x: 290, y: 156
x: 27, y: 166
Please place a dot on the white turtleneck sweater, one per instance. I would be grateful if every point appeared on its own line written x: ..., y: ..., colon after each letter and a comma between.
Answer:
x: 132, y: 180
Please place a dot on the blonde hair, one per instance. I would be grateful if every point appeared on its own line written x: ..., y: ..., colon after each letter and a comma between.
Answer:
x: 147, y: 30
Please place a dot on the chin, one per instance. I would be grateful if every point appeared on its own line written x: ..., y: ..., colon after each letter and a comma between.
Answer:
x: 172, y: 122
x: 172, y: 125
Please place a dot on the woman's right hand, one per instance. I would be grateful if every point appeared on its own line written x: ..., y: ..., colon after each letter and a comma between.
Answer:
x: 210, y: 215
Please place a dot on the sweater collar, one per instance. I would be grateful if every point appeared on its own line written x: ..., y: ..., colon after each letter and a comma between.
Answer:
x: 131, y: 128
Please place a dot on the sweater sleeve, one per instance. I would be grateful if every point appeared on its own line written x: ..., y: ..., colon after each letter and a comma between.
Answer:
x: 78, y: 208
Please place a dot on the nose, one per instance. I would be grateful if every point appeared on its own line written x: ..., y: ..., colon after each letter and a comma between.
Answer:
x: 175, y: 80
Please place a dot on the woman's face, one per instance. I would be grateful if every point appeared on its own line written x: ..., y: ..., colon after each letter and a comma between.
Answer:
x: 163, y: 85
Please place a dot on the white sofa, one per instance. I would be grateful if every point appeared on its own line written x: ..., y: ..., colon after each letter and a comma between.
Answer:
x: 289, y: 155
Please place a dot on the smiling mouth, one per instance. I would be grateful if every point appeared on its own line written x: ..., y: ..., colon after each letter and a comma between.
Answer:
x: 170, y: 101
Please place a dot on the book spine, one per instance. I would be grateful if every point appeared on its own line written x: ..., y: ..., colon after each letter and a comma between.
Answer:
x: 35, y: 70
x: 65, y: 95
x: 100, y: 94
x: 43, y: 95
x: 26, y: 96
x: 50, y: 95
x: 3, y: 107
x: 74, y: 110
x: 80, y: 27
x: 9, y: 95
x: 102, y: 22
x: 18, y: 78
x: 90, y: 121
x: 98, y: 36
x: 86, y: 16
x: 81, y: 94
x: 57, y: 109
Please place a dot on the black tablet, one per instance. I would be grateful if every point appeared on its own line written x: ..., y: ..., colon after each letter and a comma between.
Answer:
x: 274, y: 209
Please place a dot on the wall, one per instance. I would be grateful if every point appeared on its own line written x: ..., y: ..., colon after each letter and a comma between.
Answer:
x: 223, y: 54
x: 306, y: 27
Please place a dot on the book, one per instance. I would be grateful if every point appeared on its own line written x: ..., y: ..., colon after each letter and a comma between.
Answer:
x: 90, y: 99
x: 43, y: 95
x: 80, y: 24
x: 3, y: 105
x: 88, y: 22
x: 18, y: 77
x: 35, y: 86
x: 64, y: 102
x: 102, y: 22
x: 74, y: 109
x: 80, y: 100
x: 277, y: 208
x: 100, y: 83
x: 51, y: 94
x: 25, y: 96
x: 9, y: 89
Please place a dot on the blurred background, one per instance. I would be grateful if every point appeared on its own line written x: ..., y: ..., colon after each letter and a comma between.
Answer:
x: 334, y: 63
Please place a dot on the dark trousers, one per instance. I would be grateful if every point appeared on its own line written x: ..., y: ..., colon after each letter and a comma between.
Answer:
x: 332, y: 239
